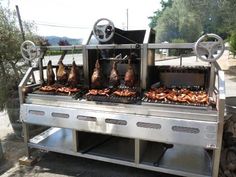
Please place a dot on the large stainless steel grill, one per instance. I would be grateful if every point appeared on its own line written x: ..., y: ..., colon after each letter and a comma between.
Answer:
x: 159, y: 135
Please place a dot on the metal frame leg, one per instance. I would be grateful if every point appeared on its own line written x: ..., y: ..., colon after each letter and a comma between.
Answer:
x: 25, y: 127
x: 139, y: 147
x: 216, y: 162
x: 75, y: 140
x: 217, y: 152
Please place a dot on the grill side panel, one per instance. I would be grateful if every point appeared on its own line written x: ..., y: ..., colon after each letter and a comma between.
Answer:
x: 152, y: 128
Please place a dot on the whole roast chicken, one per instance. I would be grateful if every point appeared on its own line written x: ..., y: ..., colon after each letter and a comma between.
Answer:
x: 130, y: 76
x: 73, y: 76
x: 61, y: 73
x: 50, y: 74
x: 114, y: 76
x: 96, y: 79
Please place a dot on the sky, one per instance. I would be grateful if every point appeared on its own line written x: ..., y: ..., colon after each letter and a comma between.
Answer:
x: 78, y: 17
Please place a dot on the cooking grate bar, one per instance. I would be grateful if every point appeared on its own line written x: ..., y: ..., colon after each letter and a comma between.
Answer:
x: 113, y: 98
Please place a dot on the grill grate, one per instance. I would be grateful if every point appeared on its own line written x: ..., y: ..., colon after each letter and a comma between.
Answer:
x: 74, y: 95
x: 146, y: 99
x: 113, y: 98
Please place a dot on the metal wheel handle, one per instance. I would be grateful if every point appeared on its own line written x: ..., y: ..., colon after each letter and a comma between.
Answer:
x: 28, y: 50
x: 103, y: 33
x: 209, y: 50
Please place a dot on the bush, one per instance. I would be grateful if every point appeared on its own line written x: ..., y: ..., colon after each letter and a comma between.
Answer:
x: 232, y: 43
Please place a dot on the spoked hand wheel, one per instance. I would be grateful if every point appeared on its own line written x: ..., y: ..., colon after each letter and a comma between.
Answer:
x: 103, y: 32
x: 28, y: 50
x: 209, y: 47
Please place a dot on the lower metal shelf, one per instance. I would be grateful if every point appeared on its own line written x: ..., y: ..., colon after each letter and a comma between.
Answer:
x: 179, y: 160
x: 180, y: 157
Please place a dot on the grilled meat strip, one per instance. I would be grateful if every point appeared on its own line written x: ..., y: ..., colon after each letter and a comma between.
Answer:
x: 48, y: 88
x: 73, y: 76
x: 61, y: 73
x: 67, y: 90
x: 125, y: 93
x: 181, y: 96
x: 50, y: 74
x: 130, y: 76
x: 96, y: 79
x: 103, y: 92
x: 114, y: 76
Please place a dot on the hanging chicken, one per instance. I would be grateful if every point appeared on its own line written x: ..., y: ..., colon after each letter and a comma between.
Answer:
x: 130, y: 76
x: 73, y: 76
x: 61, y: 73
x: 96, y: 79
x: 50, y: 74
x: 114, y: 76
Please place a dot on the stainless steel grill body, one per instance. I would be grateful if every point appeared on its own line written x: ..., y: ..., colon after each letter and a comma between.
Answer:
x: 191, y: 129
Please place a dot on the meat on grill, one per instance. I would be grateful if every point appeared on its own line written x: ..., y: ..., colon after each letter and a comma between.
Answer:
x: 96, y: 79
x: 125, y: 93
x: 67, y: 90
x: 130, y: 76
x: 50, y: 74
x: 48, y: 88
x: 57, y: 88
x: 61, y: 73
x: 103, y: 92
x: 73, y: 76
x: 114, y: 76
x: 181, y: 96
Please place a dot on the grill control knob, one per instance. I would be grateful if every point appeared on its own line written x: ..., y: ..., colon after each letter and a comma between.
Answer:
x: 209, y: 47
x: 28, y: 50
x: 103, y: 32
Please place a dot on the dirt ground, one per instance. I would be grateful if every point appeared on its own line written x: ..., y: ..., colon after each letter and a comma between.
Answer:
x: 12, y: 146
x: 59, y: 165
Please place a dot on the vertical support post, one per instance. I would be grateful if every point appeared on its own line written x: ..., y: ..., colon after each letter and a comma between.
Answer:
x: 212, y: 80
x: 25, y: 127
x: 139, y: 147
x: 40, y: 64
x: 20, y: 22
x: 127, y: 18
x: 23, y: 35
x: 85, y: 65
x: 144, y: 60
x: 136, y: 151
x: 75, y: 140
x: 1, y: 151
x: 181, y: 61
x: 221, y: 109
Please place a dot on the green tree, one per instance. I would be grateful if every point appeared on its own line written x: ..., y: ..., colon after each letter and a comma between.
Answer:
x: 232, y: 42
x: 194, y: 18
x: 158, y: 13
x: 228, y: 14
x: 12, y: 66
x: 177, y: 22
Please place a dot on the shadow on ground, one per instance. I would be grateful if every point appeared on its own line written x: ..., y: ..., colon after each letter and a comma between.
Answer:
x: 13, y: 149
x: 54, y: 164
x: 231, y: 70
